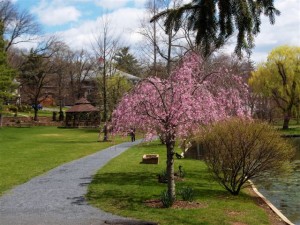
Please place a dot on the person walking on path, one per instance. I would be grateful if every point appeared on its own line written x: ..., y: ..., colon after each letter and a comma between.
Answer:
x: 132, y: 134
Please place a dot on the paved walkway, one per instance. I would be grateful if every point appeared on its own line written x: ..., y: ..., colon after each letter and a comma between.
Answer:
x: 57, y: 197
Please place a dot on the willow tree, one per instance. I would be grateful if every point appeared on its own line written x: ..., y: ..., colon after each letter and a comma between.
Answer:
x: 214, y: 21
x: 279, y: 79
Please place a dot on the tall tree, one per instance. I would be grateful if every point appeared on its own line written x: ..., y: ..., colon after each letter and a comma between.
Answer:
x: 7, y: 74
x: 176, y: 106
x: 161, y: 47
x: 79, y: 69
x: 34, y: 71
x: 117, y: 87
x: 18, y: 26
x: 105, y: 47
x: 149, y: 31
x: 279, y: 78
x: 216, y: 20
x: 60, y: 59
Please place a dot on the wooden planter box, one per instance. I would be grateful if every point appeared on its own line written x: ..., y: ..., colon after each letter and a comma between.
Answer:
x: 150, y: 158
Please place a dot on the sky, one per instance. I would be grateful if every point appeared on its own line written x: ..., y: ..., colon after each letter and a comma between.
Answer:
x: 76, y: 22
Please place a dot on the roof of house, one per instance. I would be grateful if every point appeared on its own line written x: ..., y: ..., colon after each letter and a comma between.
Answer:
x: 128, y: 76
x: 83, y: 105
x: 94, y: 73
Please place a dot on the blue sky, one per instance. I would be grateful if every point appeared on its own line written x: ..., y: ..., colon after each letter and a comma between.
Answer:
x: 61, y: 15
x: 76, y: 20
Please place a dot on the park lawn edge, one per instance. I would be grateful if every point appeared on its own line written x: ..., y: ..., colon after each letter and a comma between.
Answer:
x: 124, y: 184
x: 29, y: 152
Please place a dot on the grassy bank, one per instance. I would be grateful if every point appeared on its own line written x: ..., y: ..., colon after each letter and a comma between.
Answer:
x: 294, y: 127
x: 124, y: 184
x: 28, y: 152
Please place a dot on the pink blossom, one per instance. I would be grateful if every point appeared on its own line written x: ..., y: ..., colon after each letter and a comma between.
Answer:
x: 180, y: 104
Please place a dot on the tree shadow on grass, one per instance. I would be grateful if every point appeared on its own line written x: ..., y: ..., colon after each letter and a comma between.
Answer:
x: 149, y: 180
x: 128, y: 178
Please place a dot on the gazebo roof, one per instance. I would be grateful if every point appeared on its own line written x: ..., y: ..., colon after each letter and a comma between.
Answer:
x: 82, y: 105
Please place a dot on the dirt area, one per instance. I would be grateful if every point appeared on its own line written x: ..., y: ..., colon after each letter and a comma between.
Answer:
x: 179, y: 204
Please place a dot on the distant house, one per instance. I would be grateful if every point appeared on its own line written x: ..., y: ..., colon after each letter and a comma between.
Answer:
x: 88, y: 88
x: 132, y: 78
x: 48, y: 100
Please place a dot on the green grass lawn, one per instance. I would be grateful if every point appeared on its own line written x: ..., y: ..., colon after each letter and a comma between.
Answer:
x: 124, y: 184
x: 28, y: 152
x: 293, y: 130
x: 294, y: 127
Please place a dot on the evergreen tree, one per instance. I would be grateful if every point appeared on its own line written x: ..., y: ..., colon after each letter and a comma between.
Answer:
x: 6, y: 74
x: 214, y: 21
x: 126, y: 62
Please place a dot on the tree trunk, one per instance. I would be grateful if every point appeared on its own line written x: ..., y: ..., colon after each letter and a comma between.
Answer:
x: 61, y: 113
x: 286, y: 120
x: 298, y: 115
x: 105, y: 133
x: 154, y: 42
x: 170, y: 143
x: 35, y: 118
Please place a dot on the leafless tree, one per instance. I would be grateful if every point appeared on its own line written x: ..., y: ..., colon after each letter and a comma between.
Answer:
x: 35, y: 71
x: 79, y: 70
x: 60, y: 59
x: 161, y: 47
x: 106, y: 45
x: 19, y: 26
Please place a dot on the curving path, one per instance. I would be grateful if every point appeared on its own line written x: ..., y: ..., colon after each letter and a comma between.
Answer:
x: 57, y: 197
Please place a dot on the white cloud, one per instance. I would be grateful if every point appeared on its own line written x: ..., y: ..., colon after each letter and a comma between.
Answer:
x: 285, y: 31
x: 55, y: 14
x: 123, y: 23
x: 126, y: 22
x: 79, y: 37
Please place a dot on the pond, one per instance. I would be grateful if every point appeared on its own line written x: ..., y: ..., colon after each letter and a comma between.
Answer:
x: 284, y: 191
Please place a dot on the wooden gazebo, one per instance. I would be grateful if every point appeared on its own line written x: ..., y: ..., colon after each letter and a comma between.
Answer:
x: 83, y: 114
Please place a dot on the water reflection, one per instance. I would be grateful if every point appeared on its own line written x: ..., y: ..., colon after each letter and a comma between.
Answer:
x: 284, y: 191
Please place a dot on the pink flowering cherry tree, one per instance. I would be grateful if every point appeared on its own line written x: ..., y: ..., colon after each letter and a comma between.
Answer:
x: 176, y: 106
